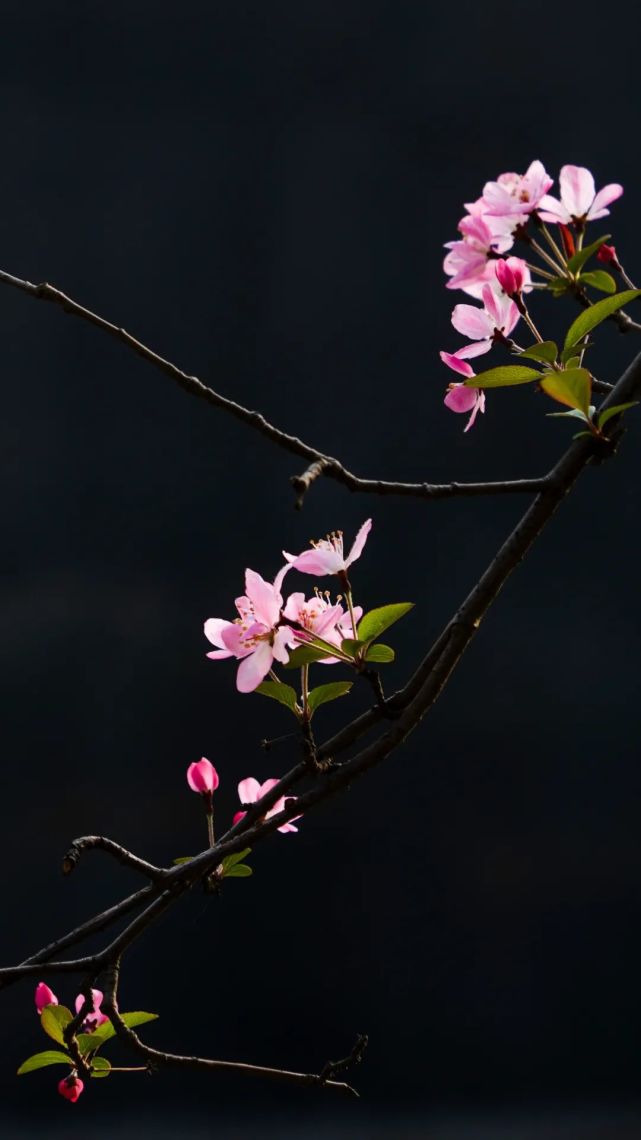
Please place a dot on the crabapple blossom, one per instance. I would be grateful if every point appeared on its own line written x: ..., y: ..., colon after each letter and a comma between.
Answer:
x: 71, y: 1087
x: 495, y: 321
x: 96, y: 1017
x: 202, y: 777
x: 579, y: 203
x: 469, y: 261
x: 516, y: 194
x: 326, y: 555
x: 44, y: 996
x: 250, y: 792
x: 256, y: 637
x: 459, y: 398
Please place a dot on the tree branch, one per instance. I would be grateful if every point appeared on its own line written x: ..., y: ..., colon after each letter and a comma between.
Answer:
x: 99, y: 842
x: 319, y: 462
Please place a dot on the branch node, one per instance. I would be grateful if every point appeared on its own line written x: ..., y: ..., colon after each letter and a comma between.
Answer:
x: 302, y: 483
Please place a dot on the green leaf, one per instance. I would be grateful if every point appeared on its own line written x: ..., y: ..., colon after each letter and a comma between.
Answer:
x: 324, y: 693
x: 568, y: 357
x: 240, y: 871
x: 100, y: 1067
x: 40, y: 1060
x: 89, y: 1042
x: 376, y: 621
x: 582, y: 435
x: 106, y: 1031
x: 380, y: 653
x: 305, y: 655
x: 559, y: 286
x: 547, y: 352
x: 578, y: 260
x: 599, y: 279
x: 53, y: 1019
x: 572, y: 388
x: 280, y: 692
x: 575, y: 413
x: 231, y: 860
x: 351, y: 647
x: 590, y: 318
x: 182, y: 859
x: 615, y: 410
x: 503, y: 376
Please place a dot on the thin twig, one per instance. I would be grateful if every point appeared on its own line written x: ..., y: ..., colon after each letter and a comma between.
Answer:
x: 100, y: 842
x: 321, y: 463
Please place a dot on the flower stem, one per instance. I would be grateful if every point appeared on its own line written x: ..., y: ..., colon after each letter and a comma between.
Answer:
x: 552, y: 244
x: 559, y: 270
x: 350, y: 606
x: 304, y: 688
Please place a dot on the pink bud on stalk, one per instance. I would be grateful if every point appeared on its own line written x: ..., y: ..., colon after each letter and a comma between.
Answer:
x: 607, y: 255
x: 44, y: 996
x: 70, y: 1087
x: 511, y: 275
x: 202, y: 777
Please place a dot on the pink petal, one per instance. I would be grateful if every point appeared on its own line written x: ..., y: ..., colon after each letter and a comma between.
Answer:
x: 249, y: 791
x: 264, y: 598
x: 238, y: 816
x: 461, y: 399
x: 202, y: 777
x: 213, y: 630
x: 293, y: 606
x: 476, y: 348
x: 359, y: 543
x: 267, y: 787
x: 608, y: 194
x: 278, y: 580
x: 551, y: 210
x: 479, y: 407
x: 471, y: 322
x: 254, y: 668
x: 234, y: 638
x: 454, y: 361
x: 316, y: 561
x: 577, y: 189
x: 283, y: 638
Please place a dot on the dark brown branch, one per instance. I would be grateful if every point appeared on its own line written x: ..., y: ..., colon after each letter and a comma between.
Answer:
x: 100, y: 842
x: 156, y: 1058
x: 319, y: 462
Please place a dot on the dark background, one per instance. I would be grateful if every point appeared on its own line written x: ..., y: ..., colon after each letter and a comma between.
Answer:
x: 261, y: 193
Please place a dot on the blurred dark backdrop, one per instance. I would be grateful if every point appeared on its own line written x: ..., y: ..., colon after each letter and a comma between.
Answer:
x: 261, y: 192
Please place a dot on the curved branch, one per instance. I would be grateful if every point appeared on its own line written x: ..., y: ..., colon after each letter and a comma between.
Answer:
x: 100, y: 842
x: 319, y: 462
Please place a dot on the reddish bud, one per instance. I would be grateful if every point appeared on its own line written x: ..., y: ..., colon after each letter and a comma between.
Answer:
x: 70, y: 1087
x: 608, y: 255
x: 568, y: 240
x: 511, y: 275
x: 202, y: 777
x: 44, y: 996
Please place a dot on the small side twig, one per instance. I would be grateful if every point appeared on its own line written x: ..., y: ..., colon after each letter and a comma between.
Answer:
x: 354, y: 1057
x: 100, y: 842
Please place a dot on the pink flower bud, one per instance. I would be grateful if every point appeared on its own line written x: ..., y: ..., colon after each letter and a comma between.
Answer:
x: 608, y: 255
x: 202, y: 777
x: 70, y: 1087
x: 511, y: 275
x: 44, y: 996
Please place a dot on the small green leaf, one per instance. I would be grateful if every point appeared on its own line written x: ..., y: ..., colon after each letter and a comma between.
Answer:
x: 599, y: 279
x: 590, y: 318
x: 182, y: 859
x: 40, y: 1060
x: 305, y: 655
x: 615, y: 410
x: 53, y: 1019
x: 106, y: 1031
x: 572, y: 387
x: 559, y: 286
x: 547, y: 352
x: 582, y: 435
x: 324, y: 693
x: 240, y: 871
x: 88, y: 1042
x: 280, y: 692
x: 351, y: 647
x: 374, y: 623
x: 503, y: 377
x: 578, y: 260
x: 100, y: 1067
x: 569, y: 359
x: 231, y: 860
x: 379, y: 653
x: 575, y: 413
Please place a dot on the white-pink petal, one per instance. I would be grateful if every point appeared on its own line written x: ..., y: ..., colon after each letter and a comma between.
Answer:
x: 254, y: 668
x: 264, y: 598
x: 472, y: 322
x: 608, y: 194
x: 577, y: 189
x: 359, y: 542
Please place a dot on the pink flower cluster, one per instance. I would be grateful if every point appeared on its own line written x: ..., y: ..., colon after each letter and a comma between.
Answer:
x: 202, y: 777
x: 71, y: 1086
x: 268, y: 627
x: 477, y: 262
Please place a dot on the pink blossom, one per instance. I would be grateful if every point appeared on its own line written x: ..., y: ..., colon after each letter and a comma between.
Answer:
x: 326, y: 555
x: 459, y: 398
x: 495, y: 321
x: 250, y: 792
x: 516, y: 194
x: 202, y: 777
x: 579, y: 202
x: 512, y: 274
x: 469, y: 261
x: 256, y: 637
x: 70, y: 1087
x: 96, y: 1017
x: 44, y: 996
